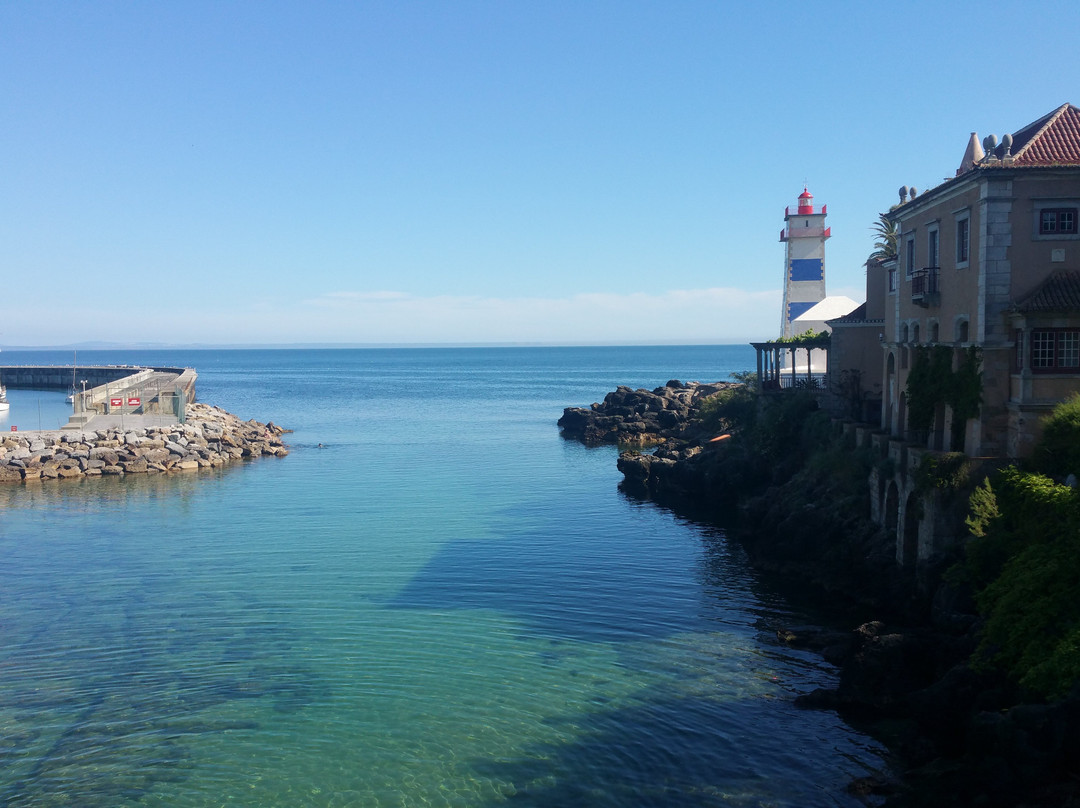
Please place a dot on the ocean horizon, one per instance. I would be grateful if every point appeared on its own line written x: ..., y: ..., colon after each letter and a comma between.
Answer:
x: 435, y: 599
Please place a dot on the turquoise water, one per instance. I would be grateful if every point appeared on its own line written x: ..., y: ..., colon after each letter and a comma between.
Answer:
x: 447, y: 605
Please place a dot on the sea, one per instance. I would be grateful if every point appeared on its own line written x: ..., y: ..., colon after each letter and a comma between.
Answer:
x: 433, y: 600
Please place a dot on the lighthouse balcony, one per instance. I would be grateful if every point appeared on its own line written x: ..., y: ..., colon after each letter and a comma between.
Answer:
x: 924, y: 287
x: 801, y: 209
x: 805, y: 232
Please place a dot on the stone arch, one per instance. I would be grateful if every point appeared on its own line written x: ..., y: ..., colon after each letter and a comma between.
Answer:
x: 892, y: 508
x: 909, y: 541
x: 890, y: 389
x: 933, y: 331
x: 938, y: 433
x: 904, y: 332
x: 915, y: 333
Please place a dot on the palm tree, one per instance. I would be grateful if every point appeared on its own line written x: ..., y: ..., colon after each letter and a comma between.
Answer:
x: 888, y: 236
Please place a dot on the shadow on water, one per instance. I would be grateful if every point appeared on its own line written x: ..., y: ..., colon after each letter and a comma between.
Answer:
x: 566, y: 580
x: 687, y: 753
x: 725, y: 557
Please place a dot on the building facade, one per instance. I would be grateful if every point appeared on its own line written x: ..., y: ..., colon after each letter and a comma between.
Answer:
x: 989, y: 262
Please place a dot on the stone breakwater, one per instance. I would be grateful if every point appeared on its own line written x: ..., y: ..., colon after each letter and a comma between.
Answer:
x: 210, y: 438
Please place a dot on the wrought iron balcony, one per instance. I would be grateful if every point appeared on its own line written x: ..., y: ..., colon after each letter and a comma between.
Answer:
x: 924, y: 287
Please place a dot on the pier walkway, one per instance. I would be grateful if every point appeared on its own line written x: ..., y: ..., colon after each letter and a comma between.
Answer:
x: 112, y: 395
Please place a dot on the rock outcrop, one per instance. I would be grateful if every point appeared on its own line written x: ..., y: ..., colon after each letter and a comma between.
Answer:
x: 209, y: 438
x: 638, y: 417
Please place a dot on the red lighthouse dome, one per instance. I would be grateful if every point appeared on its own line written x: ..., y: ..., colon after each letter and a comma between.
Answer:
x: 806, y: 202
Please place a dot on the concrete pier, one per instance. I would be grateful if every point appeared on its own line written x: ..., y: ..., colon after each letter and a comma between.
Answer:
x: 110, y: 390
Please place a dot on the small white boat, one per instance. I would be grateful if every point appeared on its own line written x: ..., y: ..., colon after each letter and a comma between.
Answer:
x: 4, y: 406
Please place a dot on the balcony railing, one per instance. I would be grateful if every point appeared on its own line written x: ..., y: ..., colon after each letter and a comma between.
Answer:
x: 924, y: 287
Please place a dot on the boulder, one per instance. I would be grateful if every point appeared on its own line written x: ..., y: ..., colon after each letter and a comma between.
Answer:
x: 10, y: 474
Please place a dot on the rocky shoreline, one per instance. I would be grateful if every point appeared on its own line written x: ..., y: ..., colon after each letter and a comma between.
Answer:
x: 639, y: 417
x: 209, y: 438
x: 962, y: 734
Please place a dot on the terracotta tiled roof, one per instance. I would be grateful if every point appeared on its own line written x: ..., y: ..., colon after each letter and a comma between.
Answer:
x: 1052, y: 140
x: 1059, y: 293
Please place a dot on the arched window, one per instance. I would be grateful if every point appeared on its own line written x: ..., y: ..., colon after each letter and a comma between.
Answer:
x: 962, y: 331
x: 903, y: 333
x: 934, y: 331
x: 915, y: 333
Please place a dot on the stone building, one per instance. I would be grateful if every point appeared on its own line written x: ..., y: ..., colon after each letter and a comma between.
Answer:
x: 990, y: 259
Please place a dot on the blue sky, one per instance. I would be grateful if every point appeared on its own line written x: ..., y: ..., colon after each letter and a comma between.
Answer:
x: 430, y: 172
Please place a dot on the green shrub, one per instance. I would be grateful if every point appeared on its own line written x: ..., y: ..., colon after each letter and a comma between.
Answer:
x: 1024, y: 562
x: 1058, y: 452
x: 728, y: 410
x: 948, y: 472
x: 788, y: 423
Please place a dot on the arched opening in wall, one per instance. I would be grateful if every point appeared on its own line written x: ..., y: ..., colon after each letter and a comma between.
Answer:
x: 909, y: 551
x: 915, y: 333
x: 890, y: 390
x: 938, y: 436
x: 880, y: 497
x: 892, y: 509
x: 962, y: 331
x: 934, y: 331
x: 901, y: 407
x: 904, y: 333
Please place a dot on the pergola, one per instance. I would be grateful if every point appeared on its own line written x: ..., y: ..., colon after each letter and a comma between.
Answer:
x: 769, y: 370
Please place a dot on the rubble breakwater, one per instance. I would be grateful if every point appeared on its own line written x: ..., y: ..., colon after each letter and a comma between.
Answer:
x: 209, y: 438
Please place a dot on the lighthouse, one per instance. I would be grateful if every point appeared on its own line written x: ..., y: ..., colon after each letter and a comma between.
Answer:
x: 804, y: 234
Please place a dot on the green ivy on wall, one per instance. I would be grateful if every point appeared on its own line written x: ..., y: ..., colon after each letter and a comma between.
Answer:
x: 932, y: 381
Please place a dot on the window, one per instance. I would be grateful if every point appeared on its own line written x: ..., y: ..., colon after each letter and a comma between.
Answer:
x: 910, y: 263
x: 1069, y: 349
x: 932, y: 248
x: 963, y: 240
x: 1055, y: 349
x: 892, y: 279
x: 1057, y: 220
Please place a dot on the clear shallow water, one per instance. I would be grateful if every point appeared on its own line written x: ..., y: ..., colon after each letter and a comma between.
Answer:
x: 447, y: 604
